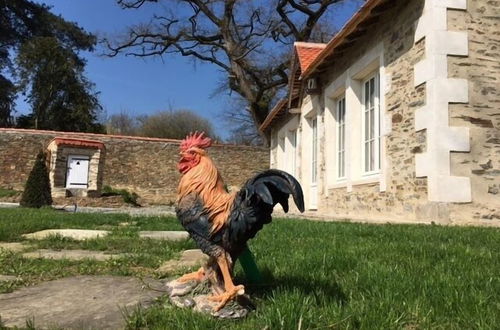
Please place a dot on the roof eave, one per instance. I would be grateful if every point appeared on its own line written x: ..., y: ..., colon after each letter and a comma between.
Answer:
x: 280, y: 106
x: 348, y: 28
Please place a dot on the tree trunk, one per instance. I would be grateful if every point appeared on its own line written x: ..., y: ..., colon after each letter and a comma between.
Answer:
x: 259, y: 114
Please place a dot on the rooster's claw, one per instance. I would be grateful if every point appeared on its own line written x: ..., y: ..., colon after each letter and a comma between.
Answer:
x: 225, y: 297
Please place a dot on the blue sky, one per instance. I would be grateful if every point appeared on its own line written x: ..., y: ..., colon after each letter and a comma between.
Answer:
x: 144, y: 86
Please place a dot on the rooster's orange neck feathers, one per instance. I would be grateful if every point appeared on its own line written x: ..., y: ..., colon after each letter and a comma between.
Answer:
x: 205, y: 181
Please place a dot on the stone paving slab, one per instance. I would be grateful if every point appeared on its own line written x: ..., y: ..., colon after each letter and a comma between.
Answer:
x: 189, y: 259
x: 76, y: 234
x: 165, y: 235
x: 8, y: 278
x: 161, y: 210
x: 13, y: 247
x: 197, y: 296
x: 81, y: 302
x: 70, y: 254
x: 8, y: 205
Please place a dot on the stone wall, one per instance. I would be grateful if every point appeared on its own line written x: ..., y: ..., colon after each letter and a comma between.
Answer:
x: 482, y: 113
x: 146, y: 166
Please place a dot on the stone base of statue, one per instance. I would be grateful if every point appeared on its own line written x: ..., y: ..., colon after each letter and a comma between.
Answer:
x: 195, y: 295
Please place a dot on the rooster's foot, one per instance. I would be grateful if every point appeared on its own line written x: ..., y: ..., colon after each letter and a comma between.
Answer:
x: 225, y: 297
x: 197, y: 276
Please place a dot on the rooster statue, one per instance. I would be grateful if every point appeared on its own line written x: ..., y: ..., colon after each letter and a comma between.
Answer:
x: 221, y: 223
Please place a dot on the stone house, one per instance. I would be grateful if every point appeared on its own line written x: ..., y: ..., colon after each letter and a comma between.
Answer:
x: 397, y: 117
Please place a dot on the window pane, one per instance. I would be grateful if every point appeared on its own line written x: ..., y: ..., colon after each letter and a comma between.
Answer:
x: 377, y: 105
x: 314, y: 149
x: 367, y: 94
x: 341, y: 111
x: 372, y: 155
x: 379, y: 154
x: 372, y: 124
x: 367, y: 125
x: 339, y: 138
x: 367, y: 156
x: 343, y: 137
x: 372, y: 92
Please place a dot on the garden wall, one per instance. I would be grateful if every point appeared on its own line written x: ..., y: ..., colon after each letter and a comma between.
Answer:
x: 147, y: 166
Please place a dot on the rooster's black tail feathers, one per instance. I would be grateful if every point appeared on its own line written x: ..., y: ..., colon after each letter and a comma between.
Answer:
x: 254, y: 204
x: 275, y: 186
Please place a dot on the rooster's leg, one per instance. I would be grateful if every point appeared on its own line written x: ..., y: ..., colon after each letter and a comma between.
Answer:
x: 231, y: 290
x: 197, y: 276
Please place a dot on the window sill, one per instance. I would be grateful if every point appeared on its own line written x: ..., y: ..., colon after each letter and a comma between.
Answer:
x: 369, y: 178
x: 374, y: 178
x: 338, y: 184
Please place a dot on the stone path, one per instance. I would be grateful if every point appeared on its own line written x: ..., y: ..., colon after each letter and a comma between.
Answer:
x: 70, y: 254
x: 85, y: 301
x: 8, y: 278
x: 165, y: 235
x: 76, y: 234
x: 189, y: 259
x: 83, y: 234
x: 133, y: 211
x: 13, y: 247
x: 81, y: 302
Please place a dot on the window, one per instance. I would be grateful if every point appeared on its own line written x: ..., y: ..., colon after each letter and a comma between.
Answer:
x: 371, y: 125
x: 340, y: 115
x: 314, y: 161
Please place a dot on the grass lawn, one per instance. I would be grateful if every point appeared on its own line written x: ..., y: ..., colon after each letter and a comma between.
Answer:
x: 317, y: 275
x: 8, y: 192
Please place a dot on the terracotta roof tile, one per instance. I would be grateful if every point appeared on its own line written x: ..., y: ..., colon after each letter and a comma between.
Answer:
x: 307, y: 53
x: 78, y: 143
x: 364, y: 13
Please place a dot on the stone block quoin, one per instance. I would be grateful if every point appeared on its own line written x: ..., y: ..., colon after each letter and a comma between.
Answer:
x: 440, y: 92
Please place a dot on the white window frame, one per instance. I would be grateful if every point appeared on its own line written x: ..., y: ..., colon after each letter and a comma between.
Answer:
x: 350, y: 84
x: 314, y: 150
x: 374, y: 138
x: 340, y: 138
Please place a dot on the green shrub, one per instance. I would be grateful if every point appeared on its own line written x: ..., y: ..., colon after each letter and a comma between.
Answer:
x: 37, y: 189
x: 128, y: 197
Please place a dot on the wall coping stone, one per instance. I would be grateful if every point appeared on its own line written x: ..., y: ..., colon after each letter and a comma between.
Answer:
x: 111, y: 136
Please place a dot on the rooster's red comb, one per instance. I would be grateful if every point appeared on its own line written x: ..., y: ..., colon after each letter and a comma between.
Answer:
x: 196, y: 139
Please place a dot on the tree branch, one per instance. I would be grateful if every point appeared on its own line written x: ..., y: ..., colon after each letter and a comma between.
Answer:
x: 245, y: 40
x: 206, y: 10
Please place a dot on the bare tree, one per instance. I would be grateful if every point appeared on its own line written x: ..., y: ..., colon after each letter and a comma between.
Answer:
x: 241, y: 127
x: 122, y: 124
x: 174, y: 125
x: 249, y: 41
